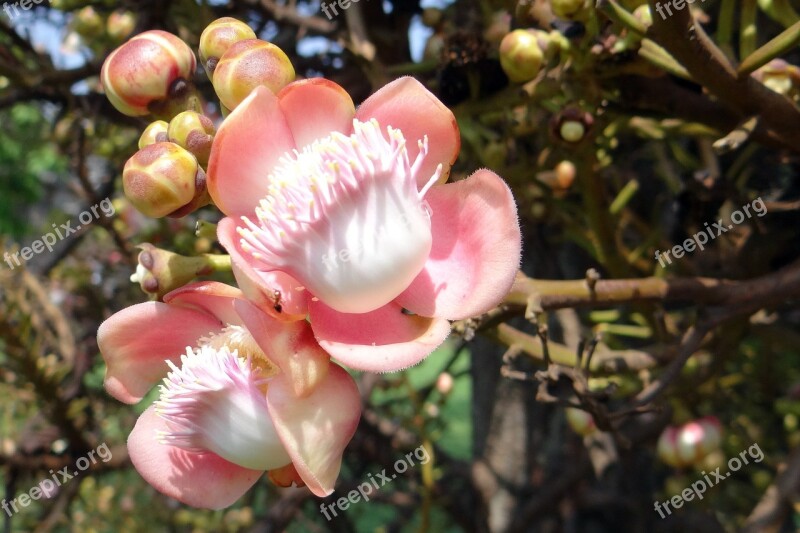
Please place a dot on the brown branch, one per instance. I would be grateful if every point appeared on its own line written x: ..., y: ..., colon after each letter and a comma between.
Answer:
x: 688, y: 43
x: 543, y: 295
x: 771, y: 512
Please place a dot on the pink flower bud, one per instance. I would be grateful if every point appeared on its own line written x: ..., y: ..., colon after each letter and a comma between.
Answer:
x: 248, y: 64
x: 218, y: 37
x: 580, y: 421
x: 146, y: 70
x: 120, y: 24
x: 164, y: 179
x: 444, y: 383
x: 520, y: 56
x: 194, y: 132
x: 688, y: 444
x: 155, y: 132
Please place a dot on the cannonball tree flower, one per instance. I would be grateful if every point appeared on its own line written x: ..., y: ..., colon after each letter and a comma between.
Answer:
x: 344, y: 216
x: 242, y: 393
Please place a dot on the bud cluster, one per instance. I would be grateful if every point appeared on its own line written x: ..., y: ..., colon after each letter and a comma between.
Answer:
x: 152, y: 74
x: 687, y: 445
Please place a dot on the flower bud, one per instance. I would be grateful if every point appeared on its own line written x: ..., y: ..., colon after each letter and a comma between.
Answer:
x: 569, y: 9
x: 194, y: 132
x: 87, y: 23
x: 148, y: 69
x: 248, y: 64
x: 120, y: 24
x: 688, y: 444
x: 580, y: 421
x: 444, y: 383
x: 155, y: 132
x: 163, y: 179
x: 565, y: 174
x: 667, y: 447
x: 520, y: 56
x: 571, y: 125
x: 159, y: 271
x: 218, y: 37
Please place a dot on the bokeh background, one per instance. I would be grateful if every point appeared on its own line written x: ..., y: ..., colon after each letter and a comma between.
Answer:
x: 670, y: 140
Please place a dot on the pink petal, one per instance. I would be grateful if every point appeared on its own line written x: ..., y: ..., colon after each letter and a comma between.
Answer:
x: 315, y: 430
x: 200, y: 480
x: 290, y: 345
x: 213, y: 297
x: 476, y: 249
x: 316, y: 107
x: 136, y: 341
x: 384, y: 340
x: 407, y: 105
x: 260, y: 286
x: 246, y: 148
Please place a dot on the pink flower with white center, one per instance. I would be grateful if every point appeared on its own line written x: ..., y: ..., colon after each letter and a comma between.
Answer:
x: 242, y: 393
x: 342, y: 216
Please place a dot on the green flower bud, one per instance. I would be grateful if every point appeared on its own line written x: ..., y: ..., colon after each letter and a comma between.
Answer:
x: 163, y: 179
x: 520, y: 56
x: 87, y: 23
x: 146, y: 71
x: 160, y: 271
x: 569, y: 9
x: 218, y: 37
x: 571, y: 125
x: 120, y: 25
x: 155, y: 132
x: 248, y: 64
x: 580, y: 421
x: 193, y: 131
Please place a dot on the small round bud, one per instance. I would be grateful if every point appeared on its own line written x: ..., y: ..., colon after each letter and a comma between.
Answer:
x: 120, y: 24
x: 571, y: 125
x: 667, y: 447
x: 161, y: 179
x: 688, y: 444
x: 218, y: 37
x: 520, y: 56
x: 643, y: 14
x: 146, y: 70
x: 565, y: 174
x: 569, y: 9
x: 193, y: 131
x: 572, y: 131
x: 155, y: 132
x: 87, y: 23
x: 580, y: 421
x: 444, y: 383
x: 248, y: 64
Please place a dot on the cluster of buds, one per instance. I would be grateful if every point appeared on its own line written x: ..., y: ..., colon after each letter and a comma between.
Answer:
x: 687, y: 445
x: 152, y: 74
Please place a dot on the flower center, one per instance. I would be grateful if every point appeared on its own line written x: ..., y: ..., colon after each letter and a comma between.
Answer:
x: 237, y: 339
x: 215, y: 402
x: 345, y: 218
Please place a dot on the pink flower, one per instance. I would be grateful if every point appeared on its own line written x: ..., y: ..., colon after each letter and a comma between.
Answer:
x: 342, y: 215
x: 242, y: 394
